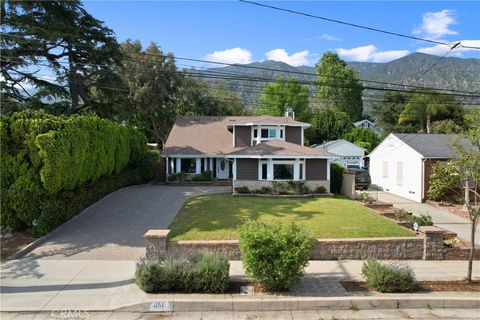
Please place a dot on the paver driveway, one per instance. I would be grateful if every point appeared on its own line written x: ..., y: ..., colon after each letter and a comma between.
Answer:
x: 113, y: 228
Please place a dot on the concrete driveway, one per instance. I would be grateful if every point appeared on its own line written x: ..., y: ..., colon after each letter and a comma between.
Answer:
x: 443, y: 219
x: 113, y: 228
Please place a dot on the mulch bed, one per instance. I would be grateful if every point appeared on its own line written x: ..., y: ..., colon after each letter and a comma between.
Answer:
x: 14, y: 243
x: 422, y: 286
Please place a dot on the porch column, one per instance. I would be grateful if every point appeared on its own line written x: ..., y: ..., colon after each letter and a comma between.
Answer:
x: 234, y: 169
x: 198, y: 165
x: 178, y: 165
x: 270, y: 169
x: 205, y: 168
x: 167, y: 164
x: 296, y: 170
x: 328, y: 169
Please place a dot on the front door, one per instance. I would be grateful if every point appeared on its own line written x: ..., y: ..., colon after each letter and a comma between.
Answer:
x: 222, y: 169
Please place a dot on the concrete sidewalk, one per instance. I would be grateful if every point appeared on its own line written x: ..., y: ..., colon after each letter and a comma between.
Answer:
x: 35, y: 285
x: 441, y: 218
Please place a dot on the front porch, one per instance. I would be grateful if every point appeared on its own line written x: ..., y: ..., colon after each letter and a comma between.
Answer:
x: 199, y: 169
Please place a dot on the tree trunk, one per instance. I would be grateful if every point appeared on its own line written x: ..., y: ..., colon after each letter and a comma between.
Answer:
x: 472, y: 248
x: 72, y: 80
x: 429, y: 120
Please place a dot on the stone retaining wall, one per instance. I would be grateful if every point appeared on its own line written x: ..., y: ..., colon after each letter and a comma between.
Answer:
x: 401, y: 248
x: 428, y: 245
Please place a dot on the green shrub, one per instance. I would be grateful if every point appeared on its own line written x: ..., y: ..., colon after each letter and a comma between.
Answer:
x: 202, y: 272
x: 273, y: 254
x: 320, y: 189
x: 206, y: 175
x: 423, y: 220
x: 298, y: 187
x: 243, y: 189
x: 336, y: 177
x: 403, y: 215
x: 389, y: 278
x: 48, y: 163
x: 265, y: 190
x: 444, y: 180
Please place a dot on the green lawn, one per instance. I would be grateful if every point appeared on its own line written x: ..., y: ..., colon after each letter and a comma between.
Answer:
x: 216, y: 217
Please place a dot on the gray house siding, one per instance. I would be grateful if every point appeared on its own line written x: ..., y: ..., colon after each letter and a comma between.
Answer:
x: 316, y: 169
x: 247, y: 169
x: 293, y: 135
x: 242, y: 136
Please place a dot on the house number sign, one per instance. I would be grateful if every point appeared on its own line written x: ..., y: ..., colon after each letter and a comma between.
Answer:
x: 161, y: 306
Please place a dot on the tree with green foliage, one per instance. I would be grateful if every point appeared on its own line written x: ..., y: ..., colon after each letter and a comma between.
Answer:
x: 423, y: 108
x: 339, y: 86
x: 53, y: 166
x: 363, y: 137
x: 387, y: 113
x: 78, y: 49
x: 461, y: 175
x: 328, y: 125
x: 447, y: 126
x: 282, y: 95
x: 153, y: 83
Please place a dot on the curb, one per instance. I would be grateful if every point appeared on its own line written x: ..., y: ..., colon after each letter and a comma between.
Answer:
x: 308, y: 303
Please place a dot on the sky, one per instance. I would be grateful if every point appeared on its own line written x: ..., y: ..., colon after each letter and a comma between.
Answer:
x: 235, y: 32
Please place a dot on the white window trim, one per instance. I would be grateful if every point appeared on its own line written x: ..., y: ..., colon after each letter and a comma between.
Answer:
x: 270, y: 162
x: 259, y: 138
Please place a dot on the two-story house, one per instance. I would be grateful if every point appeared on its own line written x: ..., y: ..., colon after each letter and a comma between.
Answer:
x: 252, y: 151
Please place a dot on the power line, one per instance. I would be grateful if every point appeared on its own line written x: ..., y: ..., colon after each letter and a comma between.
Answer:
x: 271, y: 69
x: 439, y: 59
x: 344, y: 23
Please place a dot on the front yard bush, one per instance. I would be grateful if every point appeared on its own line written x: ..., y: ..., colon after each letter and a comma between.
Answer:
x: 336, y: 177
x: 274, y: 255
x: 202, y: 272
x: 52, y: 167
x: 389, y: 278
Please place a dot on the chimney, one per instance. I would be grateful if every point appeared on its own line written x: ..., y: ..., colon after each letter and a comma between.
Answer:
x: 290, y: 114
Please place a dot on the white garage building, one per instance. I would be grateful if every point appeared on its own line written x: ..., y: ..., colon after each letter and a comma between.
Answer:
x: 402, y: 163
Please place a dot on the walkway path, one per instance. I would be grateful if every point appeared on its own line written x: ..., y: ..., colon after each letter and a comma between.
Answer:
x: 441, y: 218
x: 113, y: 228
x: 33, y: 285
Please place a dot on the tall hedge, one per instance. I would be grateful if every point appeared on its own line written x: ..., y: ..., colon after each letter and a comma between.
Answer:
x: 44, y: 157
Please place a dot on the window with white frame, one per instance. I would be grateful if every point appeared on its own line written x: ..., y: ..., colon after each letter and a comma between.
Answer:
x: 262, y: 133
x: 282, y: 169
x: 385, y: 169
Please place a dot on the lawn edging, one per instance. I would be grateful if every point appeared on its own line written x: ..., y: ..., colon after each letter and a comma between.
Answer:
x: 306, y: 195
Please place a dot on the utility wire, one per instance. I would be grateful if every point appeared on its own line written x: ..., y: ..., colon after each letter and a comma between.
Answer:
x: 439, y: 59
x: 269, y: 69
x: 344, y: 23
x: 212, y: 75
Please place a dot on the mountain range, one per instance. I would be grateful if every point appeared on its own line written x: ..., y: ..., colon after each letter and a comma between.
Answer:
x: 416, y: 69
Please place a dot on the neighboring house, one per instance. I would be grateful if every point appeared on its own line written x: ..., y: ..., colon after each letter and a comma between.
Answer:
x: 369, y: 125
x: 402, y: 163
x: 349, y: 153
x: 252, y: 151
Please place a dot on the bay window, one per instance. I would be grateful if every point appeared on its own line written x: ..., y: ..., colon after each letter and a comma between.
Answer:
x: 282, y: 169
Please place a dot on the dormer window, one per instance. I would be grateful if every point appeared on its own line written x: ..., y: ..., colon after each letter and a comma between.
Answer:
x: 265, y: 133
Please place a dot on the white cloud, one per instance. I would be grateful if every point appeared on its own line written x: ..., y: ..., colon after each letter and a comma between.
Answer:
x: 329, y: 37
x: 435, y: 25
x: 296, y: 59
x: 370, y: 53
x: 234, y: 55
x: 440, y: 49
